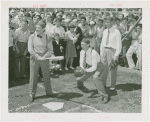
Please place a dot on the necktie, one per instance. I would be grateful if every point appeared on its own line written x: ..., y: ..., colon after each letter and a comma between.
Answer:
x: 84, y: 61
x: 107, y: 41
x: 39, y: 36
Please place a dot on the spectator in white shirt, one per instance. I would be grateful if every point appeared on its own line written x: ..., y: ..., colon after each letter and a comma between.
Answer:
x: 49, y: 25
x: 58, y: 28
x: 139, y: 50
x: 92, y: 65
x: 136, y: 40
x: 22, y: 36
x: 110, y: 49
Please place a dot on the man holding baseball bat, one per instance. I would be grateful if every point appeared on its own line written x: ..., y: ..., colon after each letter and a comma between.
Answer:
x: 91, y: 63
x: 39, y: 47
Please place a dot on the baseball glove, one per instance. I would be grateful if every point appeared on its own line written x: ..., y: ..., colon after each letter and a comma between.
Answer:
x: 78, y: 72
x: 113, y: 64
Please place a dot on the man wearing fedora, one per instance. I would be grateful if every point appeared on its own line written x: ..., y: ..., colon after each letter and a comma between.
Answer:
x: 91, y: 63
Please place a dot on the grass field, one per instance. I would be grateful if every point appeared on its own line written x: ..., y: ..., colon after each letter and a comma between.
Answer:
x: 126, y: 98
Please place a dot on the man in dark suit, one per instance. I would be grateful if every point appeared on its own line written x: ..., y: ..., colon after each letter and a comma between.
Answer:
x: 78, y: 43
x: 58, y: 48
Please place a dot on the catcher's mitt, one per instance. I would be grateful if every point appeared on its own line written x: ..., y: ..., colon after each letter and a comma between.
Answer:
x: 113, y: 64
x: 78, y: 72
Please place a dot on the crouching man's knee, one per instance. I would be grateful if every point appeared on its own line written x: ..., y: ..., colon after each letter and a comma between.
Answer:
x: 96, y: 75
x: 79, y: 81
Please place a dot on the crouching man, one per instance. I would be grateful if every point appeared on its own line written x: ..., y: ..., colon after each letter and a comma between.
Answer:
x: 91, y: 63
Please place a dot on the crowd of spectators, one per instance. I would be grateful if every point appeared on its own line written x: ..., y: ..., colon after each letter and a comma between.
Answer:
x: 67, y: 27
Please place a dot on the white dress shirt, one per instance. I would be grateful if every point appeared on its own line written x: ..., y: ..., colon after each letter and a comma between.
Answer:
x: 60, y: 30
x: 100, y: 31
x: 22, y: 36
x: 85, y: 29
x: 48, y: 29
x: 92, y: 58
x: 114, y: 40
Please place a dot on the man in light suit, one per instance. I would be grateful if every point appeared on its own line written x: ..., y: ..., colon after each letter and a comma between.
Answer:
x: 110, y: 49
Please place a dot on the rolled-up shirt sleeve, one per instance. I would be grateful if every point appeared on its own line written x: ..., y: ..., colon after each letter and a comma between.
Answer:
x: 94, y: 63
x: 50, y: 48
x: 31, y: 48
x: 81, y: 58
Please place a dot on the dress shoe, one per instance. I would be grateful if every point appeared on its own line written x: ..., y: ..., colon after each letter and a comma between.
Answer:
x: 104, y: 100
x: 72, y: 68
x: 31, y: 99
x: 66, y: 68
x: 80, y: 85
x: 112, y: 89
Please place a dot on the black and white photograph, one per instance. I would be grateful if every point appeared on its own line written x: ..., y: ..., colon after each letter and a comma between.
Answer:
x: 75, y: 60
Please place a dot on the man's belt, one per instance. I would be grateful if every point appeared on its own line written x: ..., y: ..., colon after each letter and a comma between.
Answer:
x: 109, y: 48
x: 22, y: 42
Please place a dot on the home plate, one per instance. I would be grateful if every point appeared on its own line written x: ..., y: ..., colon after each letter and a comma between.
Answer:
x: 54, y: 105
x: 84, y: 109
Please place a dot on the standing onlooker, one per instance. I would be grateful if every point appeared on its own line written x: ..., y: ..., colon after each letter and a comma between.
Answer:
x: 31, y: 27
x: 12, y: 38
x: 19, y: 19
x: 134, y: 45
x: 139, y: 50
x: 117, y: 23
x: 100, y: 30
x: 70, y: 52
x: 43, y: 16
x: 84, y: 27
x: 58, y: 48
x: 58, y: 28
x: 78, y: 43
x: 124, y: 29
x: 110, y: 49
x: 22, y: 36
x: 121, y: 16
x: 49, y: 25
x: 92, y: 36
x: 36, y: 19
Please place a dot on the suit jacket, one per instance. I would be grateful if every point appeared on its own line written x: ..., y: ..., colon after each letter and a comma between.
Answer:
x: 56, y: 48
